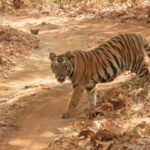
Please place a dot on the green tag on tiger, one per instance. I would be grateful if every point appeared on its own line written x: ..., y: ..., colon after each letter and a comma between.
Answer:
x: 93, y: 90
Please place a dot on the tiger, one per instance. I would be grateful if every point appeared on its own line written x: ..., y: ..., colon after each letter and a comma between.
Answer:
x: 85, y: 69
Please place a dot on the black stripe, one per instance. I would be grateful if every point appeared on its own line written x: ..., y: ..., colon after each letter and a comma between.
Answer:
x: 105, y: 70
x: 82, y: 55
x: 133, y: 47
x: 113, y: 67
x: 129, y: 59
x: 115, y: 57
x: 100, y: 58
x: 75, y: 85
x: 102, y: 79
x: 138, y: 65
x: 140, y: 42
x: 76, y: 73
x: 122, y: 65
x: 70, y: 76
x: 106, y: 73
x: 110, y: 63
x: 104, y: 66
x: 97, y: 61
x: 99, y: 76
x: 143, y: 73
x: 125, y: 46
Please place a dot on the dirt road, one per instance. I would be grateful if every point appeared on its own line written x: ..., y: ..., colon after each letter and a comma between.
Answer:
x: 31, y: 98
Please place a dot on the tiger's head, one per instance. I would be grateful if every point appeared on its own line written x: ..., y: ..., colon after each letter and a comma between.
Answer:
x: 61, y: 65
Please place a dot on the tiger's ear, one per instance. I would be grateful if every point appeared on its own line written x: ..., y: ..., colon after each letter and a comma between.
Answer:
x: 69, y: 55
x: 52, y: 55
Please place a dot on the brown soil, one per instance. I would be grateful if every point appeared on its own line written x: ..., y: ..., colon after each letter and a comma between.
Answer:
x: 31, y: 101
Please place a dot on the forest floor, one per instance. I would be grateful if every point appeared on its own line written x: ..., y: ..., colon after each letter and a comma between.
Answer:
x: 31, y: 100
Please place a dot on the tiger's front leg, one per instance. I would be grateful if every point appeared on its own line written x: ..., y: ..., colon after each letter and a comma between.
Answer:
x: 92, y: 97
x: 75, y: 98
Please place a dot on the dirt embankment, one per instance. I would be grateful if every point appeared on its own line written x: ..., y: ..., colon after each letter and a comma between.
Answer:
x: 14, y: 44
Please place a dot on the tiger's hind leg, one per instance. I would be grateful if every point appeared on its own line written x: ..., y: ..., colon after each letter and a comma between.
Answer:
x: 92, y: 96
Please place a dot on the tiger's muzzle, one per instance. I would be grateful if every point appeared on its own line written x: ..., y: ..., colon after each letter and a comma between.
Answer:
x: 60, y: 78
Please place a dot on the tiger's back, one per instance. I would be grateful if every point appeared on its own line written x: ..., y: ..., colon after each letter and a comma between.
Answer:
x: 104, y: 63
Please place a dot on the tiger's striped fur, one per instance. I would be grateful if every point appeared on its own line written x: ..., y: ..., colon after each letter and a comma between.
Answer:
x: 103, y: 64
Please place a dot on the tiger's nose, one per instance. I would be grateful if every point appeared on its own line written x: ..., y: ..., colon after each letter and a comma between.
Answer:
x: 60, y: 78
